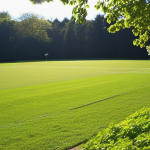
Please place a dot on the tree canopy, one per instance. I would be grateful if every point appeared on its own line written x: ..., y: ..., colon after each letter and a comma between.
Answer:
x: 32, y: 25
x: 120, y: 13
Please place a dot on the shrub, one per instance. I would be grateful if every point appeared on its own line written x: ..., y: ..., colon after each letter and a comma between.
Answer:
x: 132, y: 133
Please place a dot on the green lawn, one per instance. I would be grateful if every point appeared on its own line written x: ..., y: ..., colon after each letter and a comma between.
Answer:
x: 60, y: 104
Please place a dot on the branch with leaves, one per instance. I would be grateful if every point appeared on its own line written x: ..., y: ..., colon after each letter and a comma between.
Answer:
x: 79, y: 12
x: 128, y: 14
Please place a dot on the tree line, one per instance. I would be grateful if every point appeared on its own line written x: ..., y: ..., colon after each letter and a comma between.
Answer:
x: 31, y: 36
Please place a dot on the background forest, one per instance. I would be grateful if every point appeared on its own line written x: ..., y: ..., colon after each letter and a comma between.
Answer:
x: 31, y: 36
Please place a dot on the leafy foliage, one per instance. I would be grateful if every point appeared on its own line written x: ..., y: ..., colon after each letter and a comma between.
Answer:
x: 4, y: 15
x: 32, y: 25
x: 148, y: 49
x: 133, y: 133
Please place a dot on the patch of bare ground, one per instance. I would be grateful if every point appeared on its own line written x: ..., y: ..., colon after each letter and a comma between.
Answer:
x: 75, y: 148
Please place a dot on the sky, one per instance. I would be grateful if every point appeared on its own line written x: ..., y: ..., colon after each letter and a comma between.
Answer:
x: 49, y: 11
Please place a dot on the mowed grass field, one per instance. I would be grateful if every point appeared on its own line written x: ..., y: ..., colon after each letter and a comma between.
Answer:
x: 60, y: 104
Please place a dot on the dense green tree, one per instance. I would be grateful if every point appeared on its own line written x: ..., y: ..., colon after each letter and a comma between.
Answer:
x: 7, y: 35
x: 79, y: 37
x: 5, y: 15
x: 56, y: 34
x: 69, y: 46
x: 25, y: 39
x: 32, y: 25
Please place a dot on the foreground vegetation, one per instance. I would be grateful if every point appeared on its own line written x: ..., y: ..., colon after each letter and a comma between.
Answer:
x: 133, y: 133
x: 60, y: 104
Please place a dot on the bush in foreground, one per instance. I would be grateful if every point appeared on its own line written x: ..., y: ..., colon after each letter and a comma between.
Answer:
x: 132, y: 133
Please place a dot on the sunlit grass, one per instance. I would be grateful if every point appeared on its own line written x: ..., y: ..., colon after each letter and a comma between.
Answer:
x: 63, y: 103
